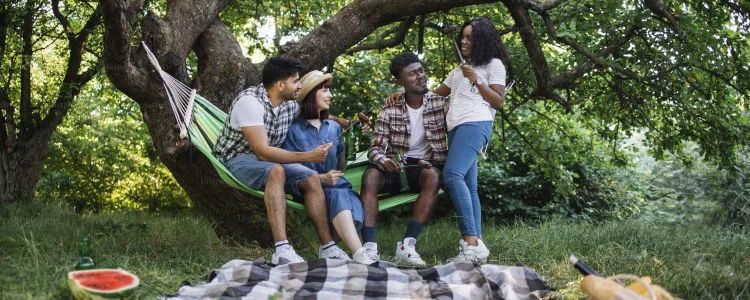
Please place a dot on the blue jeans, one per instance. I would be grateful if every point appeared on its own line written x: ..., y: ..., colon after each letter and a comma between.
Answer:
x: 252, y: 172
x: 460, y: 173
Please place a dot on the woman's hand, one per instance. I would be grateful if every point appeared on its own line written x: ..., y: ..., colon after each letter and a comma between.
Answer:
x: 469, y: 72
x: 392, y: 99
x: 331, y: 178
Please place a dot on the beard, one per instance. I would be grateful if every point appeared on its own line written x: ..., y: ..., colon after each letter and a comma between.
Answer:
x: 288, y: 94
x: 418, y: 91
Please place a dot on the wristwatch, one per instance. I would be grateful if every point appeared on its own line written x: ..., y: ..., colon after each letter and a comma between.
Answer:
x: 479, y: 81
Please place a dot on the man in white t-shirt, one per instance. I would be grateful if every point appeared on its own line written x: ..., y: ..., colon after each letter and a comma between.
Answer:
x: 415, y: 127
x: 250, y: 147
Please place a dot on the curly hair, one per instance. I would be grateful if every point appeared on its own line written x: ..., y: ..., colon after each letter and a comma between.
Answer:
x: 400, y: 62
x: 485, y: 41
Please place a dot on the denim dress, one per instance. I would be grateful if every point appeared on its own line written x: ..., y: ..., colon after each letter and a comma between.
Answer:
x: 303, y: 137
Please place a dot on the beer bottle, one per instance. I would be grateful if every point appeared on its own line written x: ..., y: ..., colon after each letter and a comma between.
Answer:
x: 85, y: 262
x: 351, y: 138
x: 357, y: 130
x: 402, y: 175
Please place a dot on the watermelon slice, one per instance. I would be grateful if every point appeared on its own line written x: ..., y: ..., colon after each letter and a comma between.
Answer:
x: 102, y: 284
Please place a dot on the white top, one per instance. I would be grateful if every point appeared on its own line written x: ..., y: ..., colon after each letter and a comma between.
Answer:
x: 248, y: 111
x: 419, y: 147
x: 468, y: 106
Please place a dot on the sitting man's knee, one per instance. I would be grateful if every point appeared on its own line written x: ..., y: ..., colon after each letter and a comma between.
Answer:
x: 371, y: 178
x: 276, y: 173
x: 310, y: 183
x: 431, y: 177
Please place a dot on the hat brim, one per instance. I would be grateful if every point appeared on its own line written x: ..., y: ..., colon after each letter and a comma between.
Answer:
x: 307, y: 88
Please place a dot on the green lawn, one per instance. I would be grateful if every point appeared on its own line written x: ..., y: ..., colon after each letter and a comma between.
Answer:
x: 38, y: 247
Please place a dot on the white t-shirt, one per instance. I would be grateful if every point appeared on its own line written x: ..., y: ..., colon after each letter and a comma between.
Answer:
x: 248, y: 111
x: 468, y: 106
x: 419, y: 147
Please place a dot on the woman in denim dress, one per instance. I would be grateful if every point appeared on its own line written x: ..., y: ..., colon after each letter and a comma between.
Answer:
x: 311, y: 129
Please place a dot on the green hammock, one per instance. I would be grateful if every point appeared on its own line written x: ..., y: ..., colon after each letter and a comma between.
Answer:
x: 203, y: 122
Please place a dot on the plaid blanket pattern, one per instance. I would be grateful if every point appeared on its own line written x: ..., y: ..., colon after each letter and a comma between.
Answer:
x: 338, y: 279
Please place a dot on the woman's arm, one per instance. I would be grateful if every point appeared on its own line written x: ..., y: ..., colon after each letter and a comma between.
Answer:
x: 492, y: 94
x: 443, y: 90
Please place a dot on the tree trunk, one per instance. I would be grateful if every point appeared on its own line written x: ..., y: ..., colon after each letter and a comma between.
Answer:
x: 20, y: 171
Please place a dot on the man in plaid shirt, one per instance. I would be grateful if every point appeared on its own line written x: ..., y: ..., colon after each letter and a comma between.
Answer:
x: 249, y: 146
x: 415, y: 127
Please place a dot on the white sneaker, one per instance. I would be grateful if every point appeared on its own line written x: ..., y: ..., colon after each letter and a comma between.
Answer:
x: 406, y: 252
x: 361, y: 257
x: 465, y: 252
x: 333, y: 252
x: 482, y: 252
x: 372, y: 251
x: 285, y: 255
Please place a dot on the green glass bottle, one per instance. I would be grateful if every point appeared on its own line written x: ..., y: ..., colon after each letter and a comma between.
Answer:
x: 402, y: 175
x: 85, y: 262
x: 351, y: 138
x: 357, y: 130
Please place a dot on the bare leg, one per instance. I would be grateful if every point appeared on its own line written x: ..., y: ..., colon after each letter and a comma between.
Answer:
x: 275, y: 201
x: 372, y: 182
x: 344, y: 225
x: 315, y: 203
x: 429, y: 181
x: 472, y: 240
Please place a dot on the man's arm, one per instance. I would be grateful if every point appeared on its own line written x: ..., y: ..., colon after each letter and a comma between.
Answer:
x: 376, y: 154
x: 258, y: 139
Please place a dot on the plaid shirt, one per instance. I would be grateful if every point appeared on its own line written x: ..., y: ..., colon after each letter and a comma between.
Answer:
x: 393, y: 125
x: 232, y: 141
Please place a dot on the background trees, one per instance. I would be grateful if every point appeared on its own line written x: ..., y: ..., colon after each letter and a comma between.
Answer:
x: 588, y: 75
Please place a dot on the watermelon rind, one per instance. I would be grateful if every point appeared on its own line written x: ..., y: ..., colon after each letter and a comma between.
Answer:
x: 84, y: 293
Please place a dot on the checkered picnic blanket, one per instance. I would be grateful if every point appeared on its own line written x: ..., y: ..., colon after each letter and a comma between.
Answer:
x: 338, y: 279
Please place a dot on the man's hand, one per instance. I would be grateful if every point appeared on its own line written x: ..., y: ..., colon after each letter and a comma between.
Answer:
x: 331, y: 178
x: 392, y: 99
x: 469, y: 73
x: 424, y: 164
x: 365, y: 122
x: 392, y: 166
x: 319, y: 154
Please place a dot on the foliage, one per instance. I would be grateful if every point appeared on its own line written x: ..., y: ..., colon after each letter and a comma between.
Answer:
x: 731, y: 187
x: 102, y: 158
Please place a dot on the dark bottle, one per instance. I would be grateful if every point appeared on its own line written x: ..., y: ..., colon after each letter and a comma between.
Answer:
x: 357, y: 131
x: 402, y: 175
x: 85, y: 262
x: 351, y: 139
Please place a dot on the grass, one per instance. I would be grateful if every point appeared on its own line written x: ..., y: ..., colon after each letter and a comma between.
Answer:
x: 38, y: 247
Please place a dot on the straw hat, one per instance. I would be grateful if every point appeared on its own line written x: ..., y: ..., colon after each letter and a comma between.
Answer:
x: 310, y: 81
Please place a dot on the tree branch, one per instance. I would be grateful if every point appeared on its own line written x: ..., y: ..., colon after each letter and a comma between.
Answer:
x: 26, y: 35
x: 356, y: 21
x: 3, y: 29
x: 63, y: 20
x: 566, y: 79
x: 533, y: 48
x: 381, y: 42
x: 73, y: 81
x: 540, y: 7
x: 596, y: 59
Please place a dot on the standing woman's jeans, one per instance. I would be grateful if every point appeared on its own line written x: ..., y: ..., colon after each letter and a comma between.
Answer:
x: 460, y: 173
